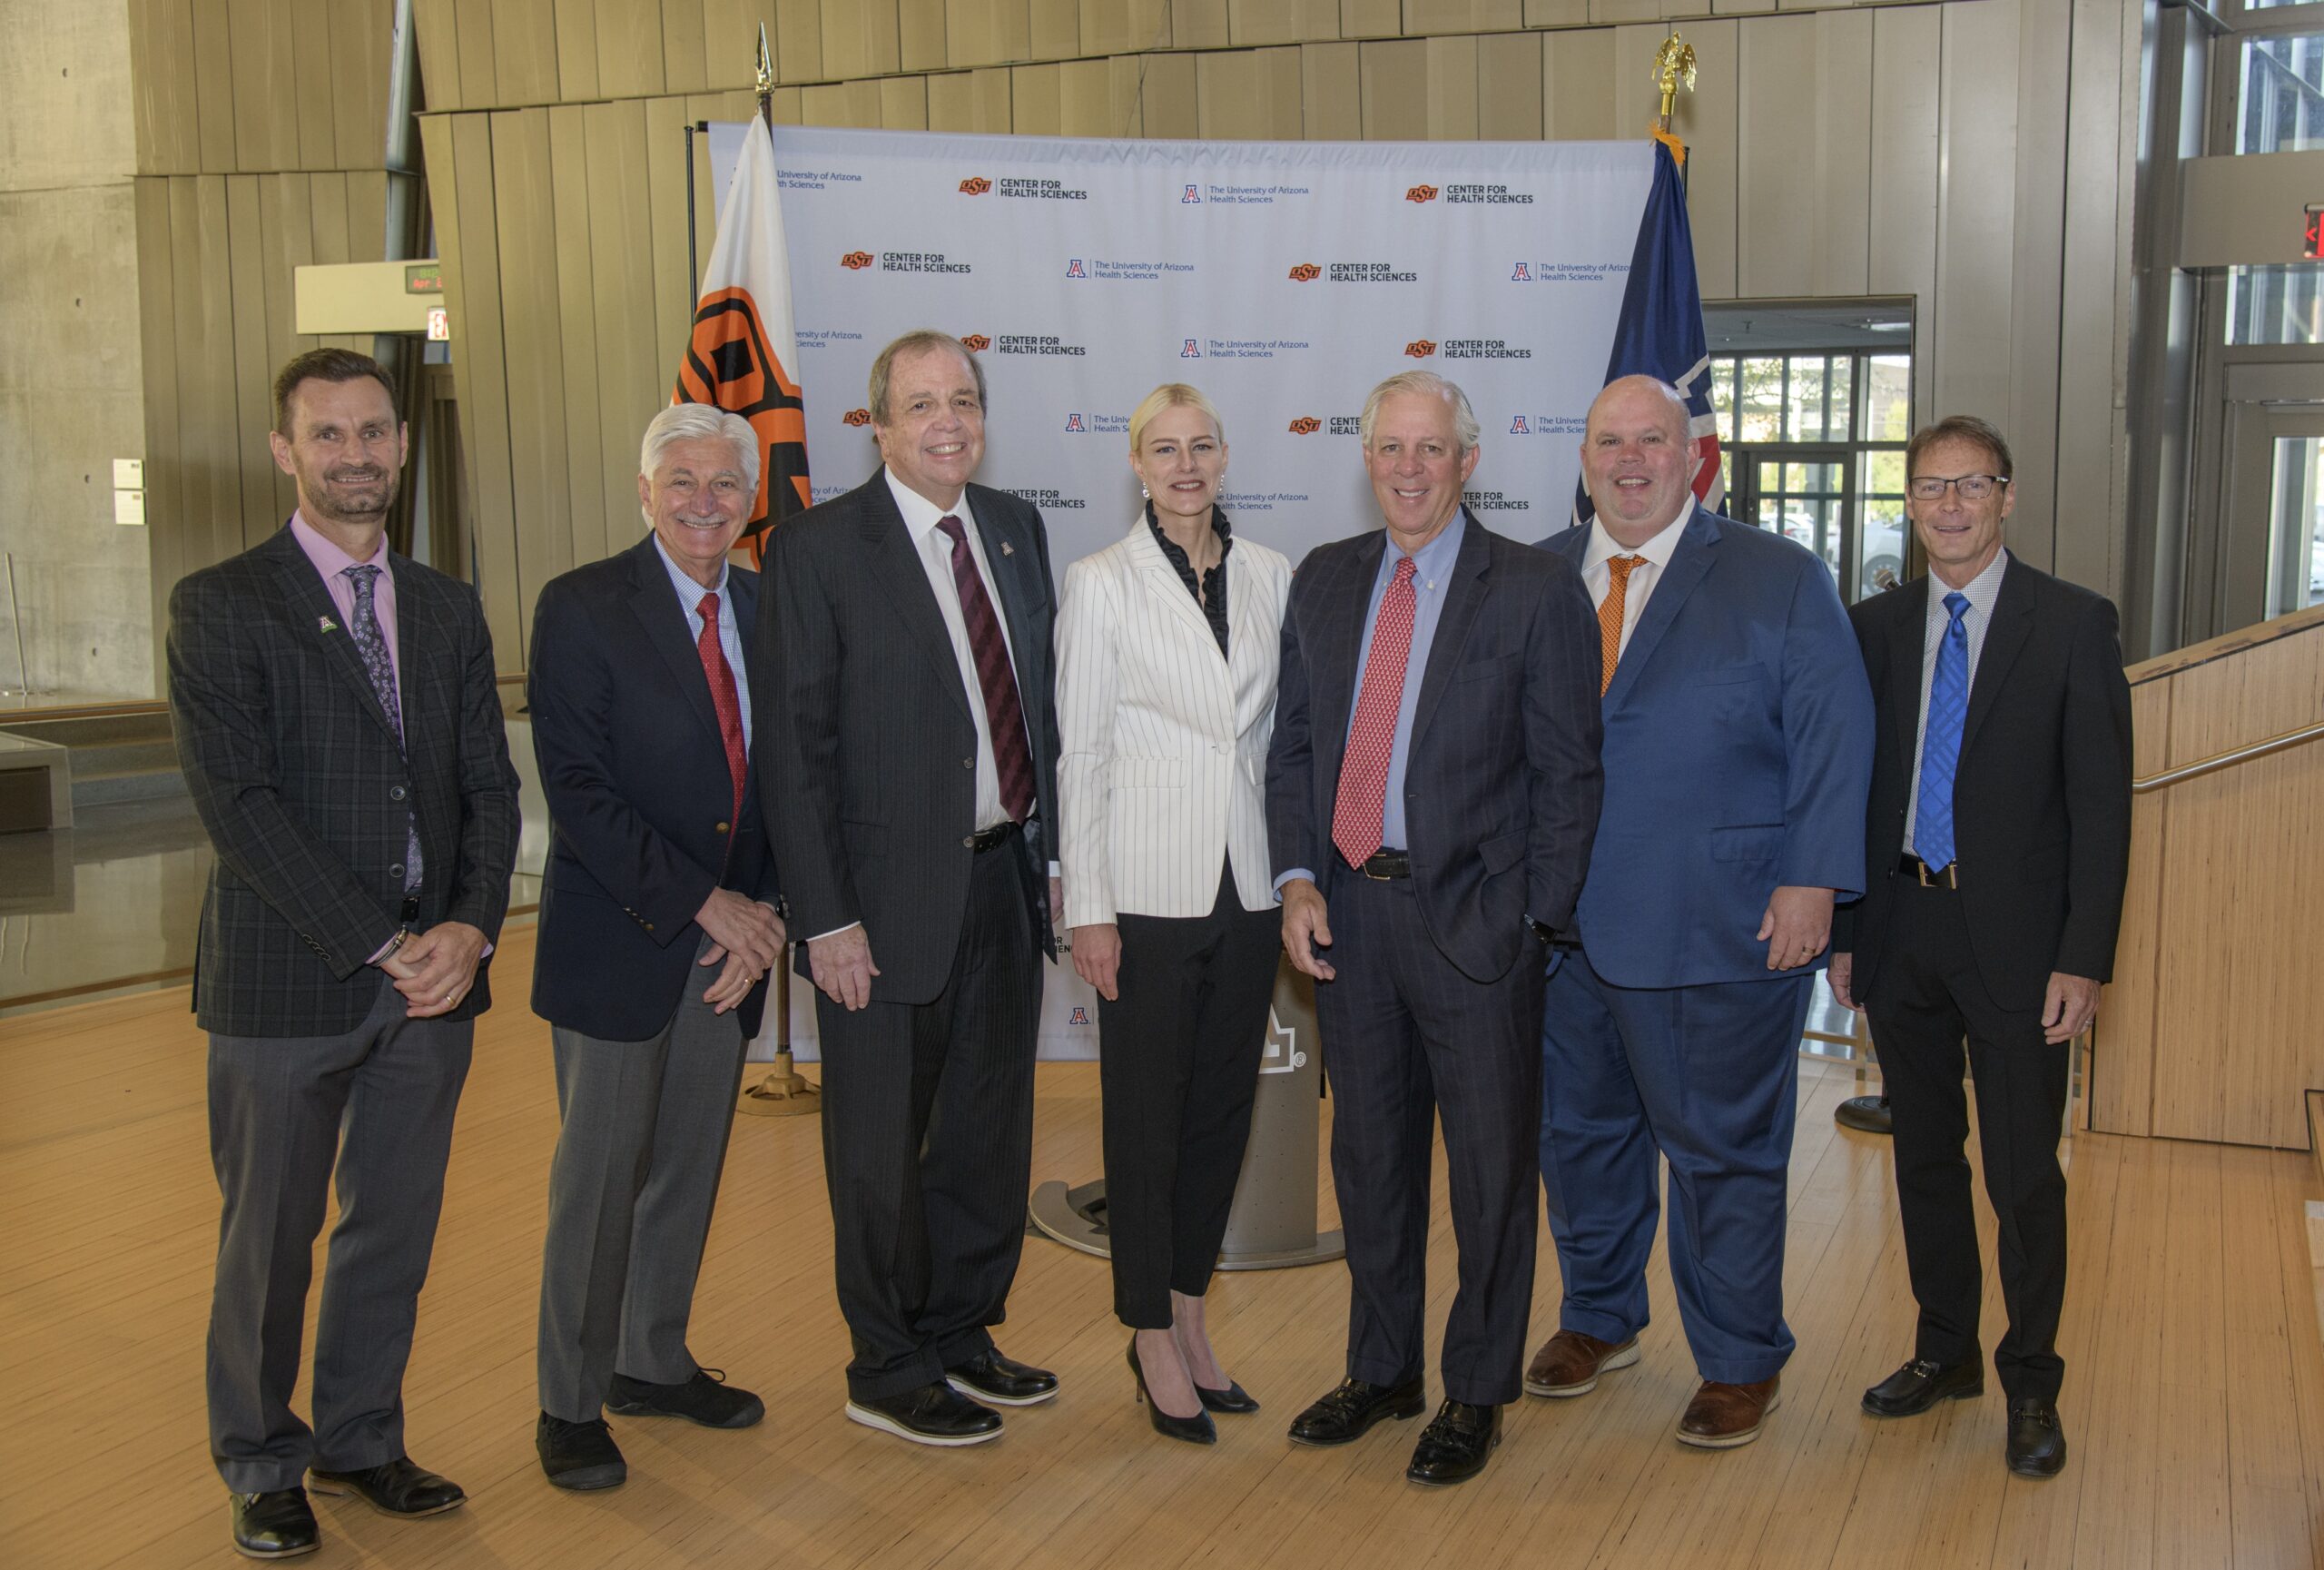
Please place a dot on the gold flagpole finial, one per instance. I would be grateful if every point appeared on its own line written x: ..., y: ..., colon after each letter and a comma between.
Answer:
x: 1674, y: 67
x: 766, y: 78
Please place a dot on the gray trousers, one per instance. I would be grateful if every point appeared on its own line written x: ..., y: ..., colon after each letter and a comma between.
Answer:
x: 630, y: 1194
x: 377, y: 1105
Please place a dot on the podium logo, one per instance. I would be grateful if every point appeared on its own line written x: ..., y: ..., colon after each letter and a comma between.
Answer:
x: 1305, y: 425
x: 856, y: 417
x: 1305, y: 273
x: 1073, y: 423
x: 975, y: 186
x: 975, y: 343
x: 1073, y: 269
x: 1420, y: 348
x: 856, y: 260
x: 1421, y: 193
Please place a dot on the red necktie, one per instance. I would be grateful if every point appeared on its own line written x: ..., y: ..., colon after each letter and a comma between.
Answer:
x: 1363, y: 767
x: 1004, y: 714
x: 722, y: 697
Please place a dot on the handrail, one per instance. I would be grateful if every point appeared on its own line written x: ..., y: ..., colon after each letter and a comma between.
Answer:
x: 2274, y: 744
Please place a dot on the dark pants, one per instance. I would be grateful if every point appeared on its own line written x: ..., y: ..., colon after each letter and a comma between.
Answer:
x: 1179, y: 1064
x: 639, y: 1153
x: 1707, y: 1077
x: 1405, y: 1036
x: 928, y: 1145
x: 377, y: 1105
x: 1926, y: 999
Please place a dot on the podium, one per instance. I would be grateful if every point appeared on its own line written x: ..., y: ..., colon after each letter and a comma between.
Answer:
x: 1273, y: 1221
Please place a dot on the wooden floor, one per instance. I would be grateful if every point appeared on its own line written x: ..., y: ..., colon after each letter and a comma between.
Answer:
x: 2194, y: 1395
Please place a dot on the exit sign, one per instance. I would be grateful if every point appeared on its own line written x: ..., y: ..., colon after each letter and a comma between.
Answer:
x: 2311, y: 234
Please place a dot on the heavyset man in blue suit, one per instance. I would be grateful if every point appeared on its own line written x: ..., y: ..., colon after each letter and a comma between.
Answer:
x: 657, y: 928
x: 1737, y: 756
x: 1432, y: 788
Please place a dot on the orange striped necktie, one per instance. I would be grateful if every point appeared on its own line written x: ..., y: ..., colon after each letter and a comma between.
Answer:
x: 1609, y: 617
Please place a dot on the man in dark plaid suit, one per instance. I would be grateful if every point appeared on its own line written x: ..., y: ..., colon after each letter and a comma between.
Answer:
x: 341, y: 733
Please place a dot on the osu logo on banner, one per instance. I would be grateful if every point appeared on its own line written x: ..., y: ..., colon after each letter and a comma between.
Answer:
x: 1421, y: 193
x: 1305, y: 425
x: 1420, y: 348
x: 975, y: 186
x: 975, y: 343
x: 856, y: 260
x: 730, y: 365
x: 1305, y: 273
x: 856, y: 417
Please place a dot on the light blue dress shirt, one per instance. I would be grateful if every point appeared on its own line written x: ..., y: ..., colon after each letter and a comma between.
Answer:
x: 1432, y: 577
x: 729, y: 632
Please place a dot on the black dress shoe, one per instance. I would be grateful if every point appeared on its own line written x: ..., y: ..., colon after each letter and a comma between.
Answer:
x: 989, y: 1377
x: 1921, y: 1384
x: 394, y: 1488
x: 275, y: 1525
x: 1197, y: 1429
x: 706, y: 1399
x: 1457, y: 1444
x: 2037, y: 1440
x: 1234, y: 1398
x: 1344, y: 1413
x: 932, y: 1414
x: 581, y: 1456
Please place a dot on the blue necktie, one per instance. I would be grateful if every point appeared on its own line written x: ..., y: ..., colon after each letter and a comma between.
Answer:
x: 1949, y: 708
x: 372, y: 644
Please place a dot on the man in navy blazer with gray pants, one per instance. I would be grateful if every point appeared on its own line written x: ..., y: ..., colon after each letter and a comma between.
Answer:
x: 1738, y: 753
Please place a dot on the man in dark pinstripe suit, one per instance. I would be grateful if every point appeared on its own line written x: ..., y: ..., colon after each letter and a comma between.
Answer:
x: 908, y: 765
x: 340, y: 733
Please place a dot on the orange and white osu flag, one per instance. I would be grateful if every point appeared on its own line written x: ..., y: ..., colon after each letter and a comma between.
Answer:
x: 744, y: 345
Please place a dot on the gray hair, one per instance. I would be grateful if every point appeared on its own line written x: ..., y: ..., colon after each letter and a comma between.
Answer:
x: 883, y: 365
x: 1464, y: 419
x: 695, y: 422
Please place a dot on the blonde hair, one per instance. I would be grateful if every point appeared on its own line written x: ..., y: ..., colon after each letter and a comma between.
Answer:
x: 1172, y: 395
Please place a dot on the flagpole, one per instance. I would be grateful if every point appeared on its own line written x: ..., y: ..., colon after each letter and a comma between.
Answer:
x: 783, y: 1092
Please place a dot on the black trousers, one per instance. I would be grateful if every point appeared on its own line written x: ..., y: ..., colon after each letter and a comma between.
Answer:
x: 1407, y: 1036
x: 1927, y: 999
x: 928, y: 1145
x: 1178, y: 1063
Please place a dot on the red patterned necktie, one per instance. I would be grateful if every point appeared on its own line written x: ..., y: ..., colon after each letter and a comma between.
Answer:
x: 722, y: 697
x: 1004, y: 714
x: 1364, y: 768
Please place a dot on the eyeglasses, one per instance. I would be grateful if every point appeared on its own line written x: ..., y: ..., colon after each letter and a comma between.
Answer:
x: 1973, y: 487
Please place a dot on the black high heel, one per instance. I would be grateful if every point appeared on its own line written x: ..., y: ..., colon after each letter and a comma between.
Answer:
x: 1234, y: 1398
x: 1197, y: 1429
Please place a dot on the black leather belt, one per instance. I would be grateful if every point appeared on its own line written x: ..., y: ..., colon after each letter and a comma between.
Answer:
x: 1927, y: 876
x: 1385, y: 864
x: 985, y: 839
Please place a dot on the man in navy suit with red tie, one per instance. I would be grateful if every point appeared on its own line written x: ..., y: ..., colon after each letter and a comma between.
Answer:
x: 657, y: 928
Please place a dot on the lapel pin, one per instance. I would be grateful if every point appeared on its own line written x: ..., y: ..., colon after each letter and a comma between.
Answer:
x: 325, y: 624
x: 1006, y: 548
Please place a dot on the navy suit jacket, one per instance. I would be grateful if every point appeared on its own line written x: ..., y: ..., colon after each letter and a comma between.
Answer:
x: 1739, y: 754
x: 641, y: 806
x: 1502, y: 783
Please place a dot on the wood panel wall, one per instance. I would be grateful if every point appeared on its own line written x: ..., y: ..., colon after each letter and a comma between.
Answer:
x: 2209, y: 1031
x: 1967, y: 155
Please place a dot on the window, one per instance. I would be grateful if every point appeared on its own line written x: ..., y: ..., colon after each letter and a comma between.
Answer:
x: 2296, y: 526
x: 2282, y: 106
x: 2281, y: 304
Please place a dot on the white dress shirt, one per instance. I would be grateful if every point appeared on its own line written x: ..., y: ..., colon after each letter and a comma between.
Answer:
x: 730, y: 631
x: 920, y: 517
x: 1983, y: 591
x: 1599, y: 578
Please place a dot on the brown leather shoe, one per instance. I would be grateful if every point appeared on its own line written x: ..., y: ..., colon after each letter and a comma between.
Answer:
x: 1723, y: 1415
x: 1569, y: 1362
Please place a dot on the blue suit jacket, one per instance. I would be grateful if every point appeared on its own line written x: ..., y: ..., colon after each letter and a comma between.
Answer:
x: 1738, y: 755
x: 641, y: 806
x: 1501, y: 783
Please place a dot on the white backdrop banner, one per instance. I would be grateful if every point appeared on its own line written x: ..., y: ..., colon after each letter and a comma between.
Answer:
x: 1283, y: 279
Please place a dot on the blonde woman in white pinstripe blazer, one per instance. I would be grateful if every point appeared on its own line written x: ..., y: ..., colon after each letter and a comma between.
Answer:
x: 1167, y: 645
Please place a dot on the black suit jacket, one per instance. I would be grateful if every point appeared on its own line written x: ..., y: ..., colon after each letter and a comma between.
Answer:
x: 1502, y: 784
x: 866, y: 739
x: 298, y: 779
x: 641, y: 806
x: 2041, y: 799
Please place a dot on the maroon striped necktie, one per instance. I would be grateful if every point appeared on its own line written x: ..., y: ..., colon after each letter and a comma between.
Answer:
x: 1003, y: 712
